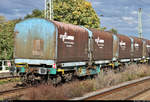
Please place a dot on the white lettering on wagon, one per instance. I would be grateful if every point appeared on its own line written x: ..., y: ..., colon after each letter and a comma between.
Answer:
x: 122, y: 45
x: 68, y: 40
x: 100, y: 42
x: 136, y: 46
x: 147, y: 46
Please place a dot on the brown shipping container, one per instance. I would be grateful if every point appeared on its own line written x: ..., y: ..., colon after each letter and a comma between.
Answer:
x: 138, y: 47
x: 147, y: 48
x: 102, y: 45
x: 72, y: 43
x: 124, y: 47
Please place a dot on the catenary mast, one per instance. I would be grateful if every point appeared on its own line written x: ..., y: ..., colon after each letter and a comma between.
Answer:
x: 140, y: 22
x: 49, y: 9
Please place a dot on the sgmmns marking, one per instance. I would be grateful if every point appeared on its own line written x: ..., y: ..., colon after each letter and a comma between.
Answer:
x: 100, y: 42
x: 65, y: 36
x: 70, y: 39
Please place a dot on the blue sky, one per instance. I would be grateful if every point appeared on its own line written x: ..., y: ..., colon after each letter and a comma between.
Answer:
x: 119, y: 14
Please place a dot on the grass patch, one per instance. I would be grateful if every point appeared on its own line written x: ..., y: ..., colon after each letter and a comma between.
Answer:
x: 4, y: 81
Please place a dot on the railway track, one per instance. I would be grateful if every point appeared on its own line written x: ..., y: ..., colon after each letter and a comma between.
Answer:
x: 12, y: 93
x: 125, y: 91
x: 137, y: 94
x: 8, y: 77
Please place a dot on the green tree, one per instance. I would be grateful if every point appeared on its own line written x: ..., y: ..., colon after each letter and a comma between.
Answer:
x: 78, y: 12
x: 7, y: 39
x: 2, y: 19
x: 103, y: 28
x: 113, y: 31
x: 35, y: 13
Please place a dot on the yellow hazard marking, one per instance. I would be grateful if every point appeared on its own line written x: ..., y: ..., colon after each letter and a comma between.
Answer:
x: 119, y: 63
x: 61, y: 70
x: 142, y: 61
x: 112, y: 64
x: 25, y: 65
x: 80, y: 70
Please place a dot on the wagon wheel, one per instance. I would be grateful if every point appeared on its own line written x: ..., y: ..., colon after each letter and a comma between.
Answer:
x: 22, y: 78
x: 30, y: 79
x: 49, y: 81
x: 56, y: 80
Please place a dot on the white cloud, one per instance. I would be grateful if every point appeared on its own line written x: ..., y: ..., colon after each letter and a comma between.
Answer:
x: 16, y: 10
x: 134, y: 12
x: 129, y: 20
x: 2, y: 14
x: 126, y: 7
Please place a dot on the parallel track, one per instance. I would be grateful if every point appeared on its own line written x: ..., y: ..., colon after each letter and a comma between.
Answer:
x: 137, y: 94
x: 12, y: 93
x: 117, y: 89
x: 8, y: 77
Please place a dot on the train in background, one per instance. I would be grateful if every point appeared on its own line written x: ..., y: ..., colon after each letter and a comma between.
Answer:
x: 53, y: 51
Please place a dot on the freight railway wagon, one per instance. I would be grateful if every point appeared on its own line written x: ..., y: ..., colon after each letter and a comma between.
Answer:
x: 55, y: 51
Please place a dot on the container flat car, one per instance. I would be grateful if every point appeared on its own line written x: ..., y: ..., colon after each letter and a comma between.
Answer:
x: 53, y: 51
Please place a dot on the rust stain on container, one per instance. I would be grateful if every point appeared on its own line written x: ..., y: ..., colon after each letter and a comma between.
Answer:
x: 115, y: 46
x: 124, y: 47
x: 37, y: 47
x: 72, y: 43
x: 146, y: 47
x: 102, y: 45
x: 35, y: 39
x: 138, y: 47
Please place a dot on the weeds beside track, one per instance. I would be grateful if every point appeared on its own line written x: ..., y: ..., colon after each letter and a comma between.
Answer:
x: 80, y: 88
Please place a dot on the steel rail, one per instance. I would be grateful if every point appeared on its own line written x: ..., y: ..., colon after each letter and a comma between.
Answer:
x: 137, y: 94
x: 105, y: 92
x: 12, y: 91
x: 7, y: 77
